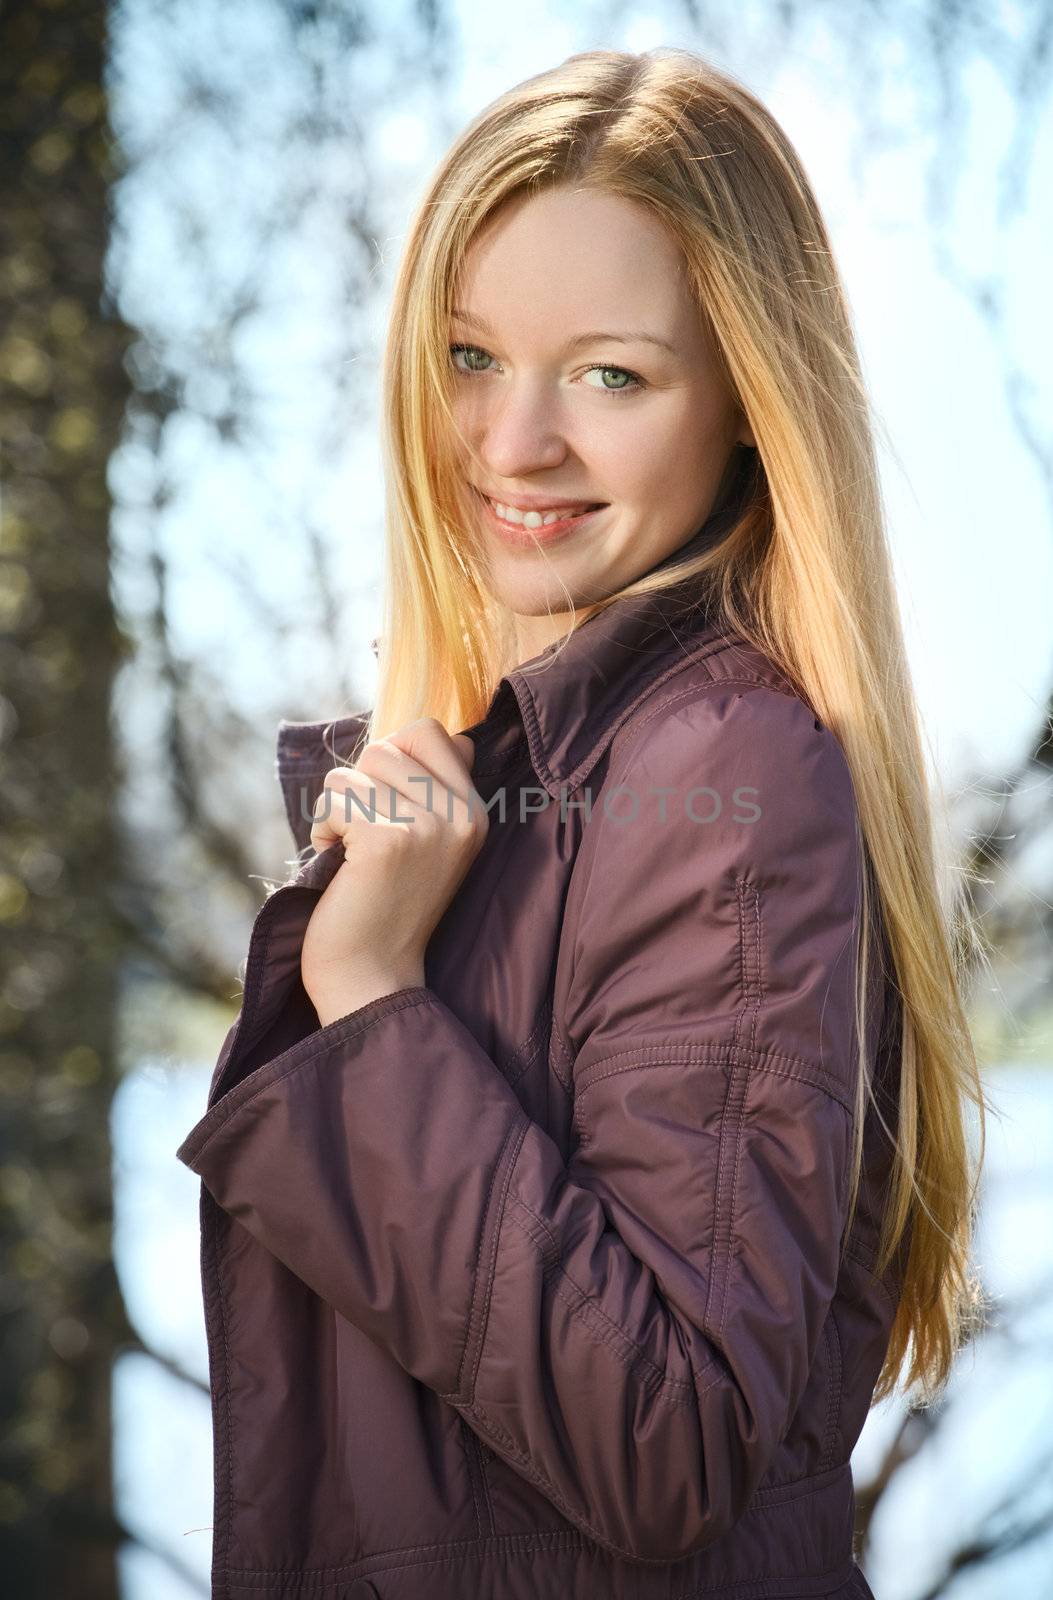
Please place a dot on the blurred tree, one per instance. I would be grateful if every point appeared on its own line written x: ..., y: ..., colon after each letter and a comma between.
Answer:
x: 63, y: 394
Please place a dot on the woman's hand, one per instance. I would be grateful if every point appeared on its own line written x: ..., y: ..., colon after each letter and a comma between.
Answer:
x: 369, y: 930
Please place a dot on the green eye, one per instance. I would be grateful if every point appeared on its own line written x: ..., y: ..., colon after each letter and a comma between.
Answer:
x: 469, y: 350
x: 632, y: 384
x: 633, y: 381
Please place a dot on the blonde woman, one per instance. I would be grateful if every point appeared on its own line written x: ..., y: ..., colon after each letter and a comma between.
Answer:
x: 589, y: 1150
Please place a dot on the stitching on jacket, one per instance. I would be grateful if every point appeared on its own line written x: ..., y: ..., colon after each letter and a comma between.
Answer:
x: 540, y: 1543
x: 517, y: 1132
x: 480, y: 1448
x: 335, y: 1033
x: 464, y: 1437
x: 868, y: 1268
x: 765, y: 1059
x: 749, y: 901
x: 633, y: 1356
x: 701, y: 656
x: 564, y: 1065
x: 528, y: 1470
x: 834, y: 1384
x: 720, y: 1254
x: 519, y: 1544
x: 501, y: 763
x: 587, y: 1305
x: 476, y: 1463
x: 225, y: 1513
x: 698, y: 691
x: 528, y: 1049
x: 448, y: 1549
x: 693, y: 692
x: 611, y: 1337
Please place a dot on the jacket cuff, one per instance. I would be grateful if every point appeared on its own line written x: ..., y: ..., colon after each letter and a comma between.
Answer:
x: 347, y: 1156
x: 343, y: 1031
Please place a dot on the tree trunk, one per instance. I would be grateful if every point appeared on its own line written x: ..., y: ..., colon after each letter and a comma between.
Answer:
x: 62, y: 396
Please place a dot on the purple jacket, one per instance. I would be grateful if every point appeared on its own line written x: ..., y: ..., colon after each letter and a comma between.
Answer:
x: 533, y: 1282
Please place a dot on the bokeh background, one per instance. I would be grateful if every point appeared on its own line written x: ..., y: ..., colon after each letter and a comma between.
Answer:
x: 202, y: 205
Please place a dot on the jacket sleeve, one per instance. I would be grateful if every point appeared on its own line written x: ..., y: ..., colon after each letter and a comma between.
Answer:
x: 632, y: 1329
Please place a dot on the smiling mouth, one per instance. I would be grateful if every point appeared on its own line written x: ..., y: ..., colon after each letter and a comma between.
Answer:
x: 550, y: 517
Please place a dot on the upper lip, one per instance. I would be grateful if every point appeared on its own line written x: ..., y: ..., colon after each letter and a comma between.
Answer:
x: 536, y: 502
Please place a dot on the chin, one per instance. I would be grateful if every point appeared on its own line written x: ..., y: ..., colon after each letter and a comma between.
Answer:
x: 526, y: 601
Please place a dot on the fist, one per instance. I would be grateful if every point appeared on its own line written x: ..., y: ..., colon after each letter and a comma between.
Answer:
x: 410, y: 823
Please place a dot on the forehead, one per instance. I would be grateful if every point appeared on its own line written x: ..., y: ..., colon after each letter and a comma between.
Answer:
x: 568, y: 259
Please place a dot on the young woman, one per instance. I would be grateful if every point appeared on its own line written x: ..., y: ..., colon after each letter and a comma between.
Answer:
x: 589, y: 1150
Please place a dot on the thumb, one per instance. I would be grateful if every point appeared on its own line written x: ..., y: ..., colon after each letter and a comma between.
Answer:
x: 465, y: 748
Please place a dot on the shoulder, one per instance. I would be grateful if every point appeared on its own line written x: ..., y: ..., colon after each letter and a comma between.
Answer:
x: 720, y: 867
x: 730, y: 721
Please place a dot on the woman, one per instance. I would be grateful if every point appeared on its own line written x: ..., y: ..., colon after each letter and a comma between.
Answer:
x: 576, y: 1174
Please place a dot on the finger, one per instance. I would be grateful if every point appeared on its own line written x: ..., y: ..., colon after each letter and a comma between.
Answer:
x: 347, y: 796
x: 425, y: 753
x: 450, y: 756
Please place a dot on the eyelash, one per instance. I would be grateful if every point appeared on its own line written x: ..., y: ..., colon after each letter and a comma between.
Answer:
x: 602, y: 366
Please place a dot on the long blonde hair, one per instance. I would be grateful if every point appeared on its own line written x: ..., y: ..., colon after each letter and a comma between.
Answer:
x: 805, y: 572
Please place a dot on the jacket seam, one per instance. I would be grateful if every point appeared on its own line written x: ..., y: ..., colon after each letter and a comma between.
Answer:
x: 484, y: 1479
x: 333, y: 1033
x: 833, y: 1403
x: 224, y: 1510
x: 525, y: 1054
x: 749, y: 924
x: 563, y: 1067
x: 775, y: 1495
x: 637, y: 724
x: 542, y: 1542
x: 609, y: 1333
x: 526, y: 1467
x: 694, y: 691
x: 868, y: 1267
x: 512, y: 757
x: 472, y: 1447
x: 699, y: 656
x: 480, y: 1301
x: 463, y: 1440
x: 764, y: 1059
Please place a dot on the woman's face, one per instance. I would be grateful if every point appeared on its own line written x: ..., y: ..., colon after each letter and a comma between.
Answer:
x: 563, y: 401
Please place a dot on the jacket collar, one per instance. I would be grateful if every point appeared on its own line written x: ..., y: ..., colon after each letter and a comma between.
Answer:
x: 570, y: 699
x: 567, y: 702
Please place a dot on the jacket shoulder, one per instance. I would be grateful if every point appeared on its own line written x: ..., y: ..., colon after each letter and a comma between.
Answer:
x: 727, y: 697
x: 718, y: 883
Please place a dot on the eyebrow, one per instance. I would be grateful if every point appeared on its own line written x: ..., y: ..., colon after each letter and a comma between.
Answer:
x: 579, y: 339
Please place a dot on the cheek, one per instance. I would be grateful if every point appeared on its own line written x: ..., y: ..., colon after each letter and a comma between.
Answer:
x: 467, y: 420
x: 651, y: 470
x: 674, y: 462
x: 625, y: 455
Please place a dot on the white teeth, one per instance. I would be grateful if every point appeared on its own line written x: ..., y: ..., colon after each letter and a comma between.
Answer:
x: 534, y: 519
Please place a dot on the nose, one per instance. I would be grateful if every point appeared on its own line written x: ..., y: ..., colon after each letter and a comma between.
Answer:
x: 521, y: 436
